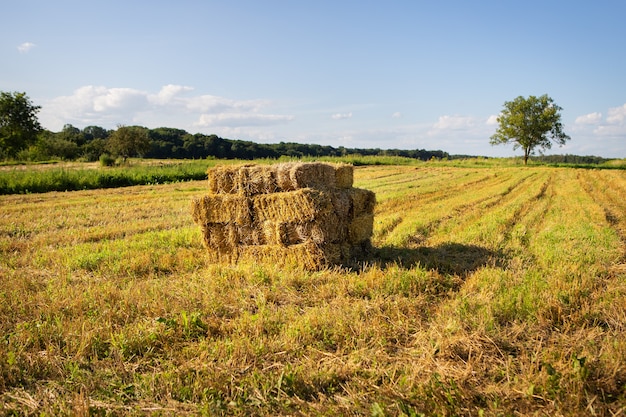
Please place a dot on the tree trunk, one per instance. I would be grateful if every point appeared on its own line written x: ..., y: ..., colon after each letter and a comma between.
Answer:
x: 526, y: 154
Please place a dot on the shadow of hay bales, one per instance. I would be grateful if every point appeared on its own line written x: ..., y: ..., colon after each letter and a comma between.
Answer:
x: 447, y: 258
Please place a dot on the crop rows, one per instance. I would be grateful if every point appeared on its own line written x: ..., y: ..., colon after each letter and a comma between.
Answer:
x: 496, y: 290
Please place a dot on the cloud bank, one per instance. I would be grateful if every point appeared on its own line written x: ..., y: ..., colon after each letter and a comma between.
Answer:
x: 172, y: 106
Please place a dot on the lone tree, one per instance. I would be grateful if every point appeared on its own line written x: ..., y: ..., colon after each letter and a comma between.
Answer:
x: 529, y: 123
x: 19, y: 126
x: 129, y: 141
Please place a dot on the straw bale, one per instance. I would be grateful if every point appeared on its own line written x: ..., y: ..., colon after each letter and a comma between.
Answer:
x: 225, y: 237
x: 363, y: 201
x: 304, y: 214
x: 293, y: 206
x: 361, y: 228
x: 344, y: 175
x: 326, y: 229
x: 221, y: 208
x: 270, y: 231
x: 216, y: 238
x: 283, y: 176
x: 306, y: 255
x: 313, y: 175
x: 223, y: 179
x: 342, y: 202
x: 256, y: 179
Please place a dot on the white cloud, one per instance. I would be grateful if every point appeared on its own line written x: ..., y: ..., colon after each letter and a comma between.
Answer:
x: 116, y: 99
x: 492, y: 120
x: 241, y: 119
x: 168, y: 94
x: 589, y: 119
x: 616, y: 114
x: 211, y: 104
x: 396, y: 115
x: 25, y: 47
x: 341, y: 116
x: 172, y: 105
x: 454, y: 123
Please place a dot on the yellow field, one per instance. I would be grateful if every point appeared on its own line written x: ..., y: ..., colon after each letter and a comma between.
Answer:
x: 491, y: 291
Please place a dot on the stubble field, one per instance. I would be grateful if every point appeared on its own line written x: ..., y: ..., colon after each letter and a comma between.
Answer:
x: 491, y: 291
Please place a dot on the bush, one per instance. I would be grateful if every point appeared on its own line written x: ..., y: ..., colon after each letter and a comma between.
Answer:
x: 107, y: 160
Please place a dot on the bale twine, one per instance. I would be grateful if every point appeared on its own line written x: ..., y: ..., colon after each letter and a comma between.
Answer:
x: 303, y: 214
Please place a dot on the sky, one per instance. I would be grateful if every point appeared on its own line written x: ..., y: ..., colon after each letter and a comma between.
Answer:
x: 389, y: 74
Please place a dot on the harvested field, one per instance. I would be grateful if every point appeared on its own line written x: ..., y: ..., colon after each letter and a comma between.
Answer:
x: 489, y: 291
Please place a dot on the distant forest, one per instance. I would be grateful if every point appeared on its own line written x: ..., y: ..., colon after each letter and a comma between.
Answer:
x: 165, y: 143
x: 90, y: 143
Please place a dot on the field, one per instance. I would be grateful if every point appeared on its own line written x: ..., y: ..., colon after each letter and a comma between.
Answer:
x: 495, y: 290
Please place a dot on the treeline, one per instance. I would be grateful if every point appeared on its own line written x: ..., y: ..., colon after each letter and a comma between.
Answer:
x: 92, y: 142
x: 569, y: 159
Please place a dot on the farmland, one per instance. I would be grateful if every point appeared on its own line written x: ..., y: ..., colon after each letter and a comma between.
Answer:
x: 495, y: 290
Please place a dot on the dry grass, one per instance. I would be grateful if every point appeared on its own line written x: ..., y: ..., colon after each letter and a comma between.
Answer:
x: 493, y: 291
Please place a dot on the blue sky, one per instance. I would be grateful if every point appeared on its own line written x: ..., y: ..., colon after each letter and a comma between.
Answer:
x: 368, y: 74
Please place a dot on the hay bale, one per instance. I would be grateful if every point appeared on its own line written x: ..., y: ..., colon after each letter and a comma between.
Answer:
x: 245, y: 179
x: 293, y: 206
x: 306, y: 255
x: 256, y: 179
x: 301, y: 214
x: 223, y: 179
x: 225, y: 237
x: 283, y: 176
x: 363, y: 202
x: 342, y: 202
x: 313, y: 175
x: 221, y: 208
x: 217, y: 238
x: 323, y: 230
x: 344, y: 176
x: 361, y: 228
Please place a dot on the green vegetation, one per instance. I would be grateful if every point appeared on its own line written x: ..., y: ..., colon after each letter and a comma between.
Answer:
x: 110, y: 173
x: 18, y: 123
x: 529, y: 123
x: 21, y: 180
x: 493, y: 290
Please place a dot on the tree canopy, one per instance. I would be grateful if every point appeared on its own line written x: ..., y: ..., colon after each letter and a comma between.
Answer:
x: 129, y: 141
x: 18, y: 123
x: 529, y: 123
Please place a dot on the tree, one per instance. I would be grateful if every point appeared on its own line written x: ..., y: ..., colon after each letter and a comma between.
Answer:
x: 18, y: 123
x: 529, y: 123
x: 95, y: 132
x: 129, y: 141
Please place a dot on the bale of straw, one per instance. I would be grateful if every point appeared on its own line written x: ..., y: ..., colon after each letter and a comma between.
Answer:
x: 361, y: 228
x: 303, y: 214
x: 313, y: 175
x: 323, y: 230
x: 226, y: 237
x: 344, y: 175
x: 217, y: 239
x: 363, y: 202
x: 326, y: 229
x: 283, y: 176
x: 256, y: 179
x: 223, y: 179
x: 342, y: 202
x: 306, y: 255
x: 293, y: 206
x: 221, y: 208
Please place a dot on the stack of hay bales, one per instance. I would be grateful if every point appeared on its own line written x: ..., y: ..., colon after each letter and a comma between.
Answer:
x: 304, y: 214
